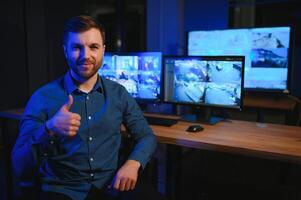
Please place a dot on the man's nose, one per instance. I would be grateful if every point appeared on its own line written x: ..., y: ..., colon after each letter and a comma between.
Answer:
x: 85, y: 53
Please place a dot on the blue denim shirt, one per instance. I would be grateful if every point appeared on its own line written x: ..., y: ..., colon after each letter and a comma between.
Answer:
x: 72, y: 165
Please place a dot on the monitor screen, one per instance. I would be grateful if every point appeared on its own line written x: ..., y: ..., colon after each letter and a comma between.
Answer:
x: 139, y: 73
x: 266, y: 52
x: 204, y: 80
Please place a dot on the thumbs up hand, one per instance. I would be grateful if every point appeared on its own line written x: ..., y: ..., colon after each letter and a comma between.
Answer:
x: 64, y: 122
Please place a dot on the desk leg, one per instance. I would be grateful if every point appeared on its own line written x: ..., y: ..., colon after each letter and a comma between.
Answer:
x: 7, y: 159
x: 173, y: 172
x: 260, y: 117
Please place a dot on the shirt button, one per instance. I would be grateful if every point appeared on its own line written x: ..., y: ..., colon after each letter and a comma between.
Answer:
x: 90, y: 138
x: 51, y: 142
x: 45, y: 154
x: 89, y: 117
x: 87, y: 97
x: 91, y: 159
x: 92, y: 175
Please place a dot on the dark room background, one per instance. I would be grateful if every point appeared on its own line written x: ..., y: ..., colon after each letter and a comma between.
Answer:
x: 31, y: 52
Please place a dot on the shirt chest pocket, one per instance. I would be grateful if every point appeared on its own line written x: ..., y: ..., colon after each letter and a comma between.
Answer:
x: 107, y: 125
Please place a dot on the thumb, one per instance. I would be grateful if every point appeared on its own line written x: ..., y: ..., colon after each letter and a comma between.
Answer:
x: 68, y: 104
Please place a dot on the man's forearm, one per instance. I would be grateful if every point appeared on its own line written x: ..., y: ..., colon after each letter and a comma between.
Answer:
x: 144, y: 149
x: 24, y: 154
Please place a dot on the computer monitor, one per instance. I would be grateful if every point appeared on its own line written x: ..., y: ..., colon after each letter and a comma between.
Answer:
x: 266, y: 51
x: 139, y: 73
x: 212, y: 81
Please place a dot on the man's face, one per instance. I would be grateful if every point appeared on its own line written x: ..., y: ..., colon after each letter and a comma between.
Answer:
x: 84, y: 53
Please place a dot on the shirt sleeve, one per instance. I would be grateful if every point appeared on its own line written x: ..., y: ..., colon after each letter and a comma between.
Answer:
x: 32, y: 133
x: 136, y: 124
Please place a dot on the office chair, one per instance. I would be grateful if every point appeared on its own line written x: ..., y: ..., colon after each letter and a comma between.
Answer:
x: 30, y: 186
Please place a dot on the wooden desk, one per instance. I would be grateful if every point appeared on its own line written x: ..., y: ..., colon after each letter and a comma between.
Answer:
x: 268, y: 141
x: 12, y: 114
x: 271, y: 141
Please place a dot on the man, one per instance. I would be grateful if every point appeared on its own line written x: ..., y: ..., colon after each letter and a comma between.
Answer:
x: 70, y: 129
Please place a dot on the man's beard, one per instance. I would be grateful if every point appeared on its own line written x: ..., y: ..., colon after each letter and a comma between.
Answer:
x: 76, y: 68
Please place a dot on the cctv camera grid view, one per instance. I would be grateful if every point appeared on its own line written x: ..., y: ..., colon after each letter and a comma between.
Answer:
x: 265, y: 50
x: 139, y: 73
x: 199, y: 81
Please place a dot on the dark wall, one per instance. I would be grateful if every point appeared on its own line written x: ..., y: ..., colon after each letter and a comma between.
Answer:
x: 13, y: 74
x: 200, y: 15
x: 56, y: 13
x: 35, y: 35
x: 165, y: 26
x: 169, y: 20
x: 31, y: 52
x: 32, y: 55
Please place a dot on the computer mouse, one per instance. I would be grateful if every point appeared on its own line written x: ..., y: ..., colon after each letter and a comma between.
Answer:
x: 195, y: 128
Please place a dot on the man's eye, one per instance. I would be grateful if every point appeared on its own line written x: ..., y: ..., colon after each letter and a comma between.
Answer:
x: 94, y: 47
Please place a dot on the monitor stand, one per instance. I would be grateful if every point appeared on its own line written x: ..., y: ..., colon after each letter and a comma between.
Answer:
x: 204, y: 115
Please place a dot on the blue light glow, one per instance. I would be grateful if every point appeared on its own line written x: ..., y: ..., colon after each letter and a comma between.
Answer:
x: 265, y: 50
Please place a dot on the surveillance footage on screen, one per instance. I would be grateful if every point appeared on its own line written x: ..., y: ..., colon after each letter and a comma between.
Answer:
x: 194, y: 80
x: 139, y: 73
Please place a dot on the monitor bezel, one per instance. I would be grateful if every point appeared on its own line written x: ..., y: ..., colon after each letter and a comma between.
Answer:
x: 289, y: 57
x: 238, y: 107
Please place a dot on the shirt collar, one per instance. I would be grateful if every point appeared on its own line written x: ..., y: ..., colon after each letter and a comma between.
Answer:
x: 70, y: 86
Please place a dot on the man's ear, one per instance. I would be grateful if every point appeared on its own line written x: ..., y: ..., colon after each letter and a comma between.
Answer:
x: 65, y: 51
x: 104, y: 49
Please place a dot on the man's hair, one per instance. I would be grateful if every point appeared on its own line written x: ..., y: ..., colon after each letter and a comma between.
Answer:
x: 81, y: 24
